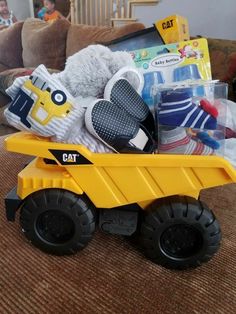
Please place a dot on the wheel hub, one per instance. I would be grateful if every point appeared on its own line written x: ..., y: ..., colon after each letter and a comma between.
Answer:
x: 181, y: 241
x: 55, y: 227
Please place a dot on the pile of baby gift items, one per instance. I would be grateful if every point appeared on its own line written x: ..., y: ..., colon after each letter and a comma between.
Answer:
x: 128, y: 102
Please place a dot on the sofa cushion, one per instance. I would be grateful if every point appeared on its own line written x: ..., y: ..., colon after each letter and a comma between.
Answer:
x: 44, y: 43
x: 10, y: 46
x: 80, y: 36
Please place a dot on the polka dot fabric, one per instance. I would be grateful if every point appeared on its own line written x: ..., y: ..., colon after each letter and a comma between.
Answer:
x: 115, y: 128
x: 111, y: 123
x: 125, y: 97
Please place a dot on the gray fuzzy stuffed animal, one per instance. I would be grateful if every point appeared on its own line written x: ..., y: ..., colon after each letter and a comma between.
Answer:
x: 87, y: 72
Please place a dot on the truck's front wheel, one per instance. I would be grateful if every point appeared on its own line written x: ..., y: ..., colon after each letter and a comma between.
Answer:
x: 57, y: 221
x: 180, y: 232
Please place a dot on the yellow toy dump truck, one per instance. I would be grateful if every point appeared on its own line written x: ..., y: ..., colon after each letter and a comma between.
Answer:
x: 66, y: 191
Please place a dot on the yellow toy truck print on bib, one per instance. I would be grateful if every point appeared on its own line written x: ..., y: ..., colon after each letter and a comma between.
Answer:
x: 36, y: 100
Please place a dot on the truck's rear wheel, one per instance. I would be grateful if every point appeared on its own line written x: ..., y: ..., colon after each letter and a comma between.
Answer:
x: 57, y: 221
x: 180, y: 232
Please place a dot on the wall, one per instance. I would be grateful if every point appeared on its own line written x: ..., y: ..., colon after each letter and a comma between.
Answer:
x: 210, y: 18
x: 21, y: 8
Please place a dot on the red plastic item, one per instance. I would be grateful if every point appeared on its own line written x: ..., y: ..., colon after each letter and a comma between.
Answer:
x: 209, y: 108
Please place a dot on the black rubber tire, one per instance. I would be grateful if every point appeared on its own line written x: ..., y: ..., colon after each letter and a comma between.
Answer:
x: 57, y: 221
x: 179, y: 233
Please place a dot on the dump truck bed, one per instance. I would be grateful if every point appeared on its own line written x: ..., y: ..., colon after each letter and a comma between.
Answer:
x: 111, y: 180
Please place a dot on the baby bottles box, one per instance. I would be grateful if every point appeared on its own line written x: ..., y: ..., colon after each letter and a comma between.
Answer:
x: 173, y: 29
x: 167, y: 64
x: 191, y: 119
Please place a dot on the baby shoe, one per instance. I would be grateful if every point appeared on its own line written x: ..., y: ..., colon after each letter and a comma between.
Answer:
x: 121, y: 93
x: 177, y: 109
x: 177, y: 141
x: 116, y: 129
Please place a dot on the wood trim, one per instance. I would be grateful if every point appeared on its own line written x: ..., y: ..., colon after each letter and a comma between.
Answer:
x: 91, y: 12
x: 124, y: 19
x: 132, y: 3
x: 146, y: 2
x: 72, y: 11
x: 81, y: 10
x: 77, y: 12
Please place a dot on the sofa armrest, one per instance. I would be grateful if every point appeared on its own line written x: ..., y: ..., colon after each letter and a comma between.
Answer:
x: 4, y: 100
x: 44, y: 43
x: 223, y: 61
x: 5, y: 128
x: 3, y: 67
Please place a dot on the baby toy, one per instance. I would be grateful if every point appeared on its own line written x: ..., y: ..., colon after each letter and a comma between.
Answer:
x: 88, y: 71
x: 69, y: 189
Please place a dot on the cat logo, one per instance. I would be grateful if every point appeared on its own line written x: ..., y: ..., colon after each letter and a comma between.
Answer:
x: 167, y: 24
x: 69, y: 157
